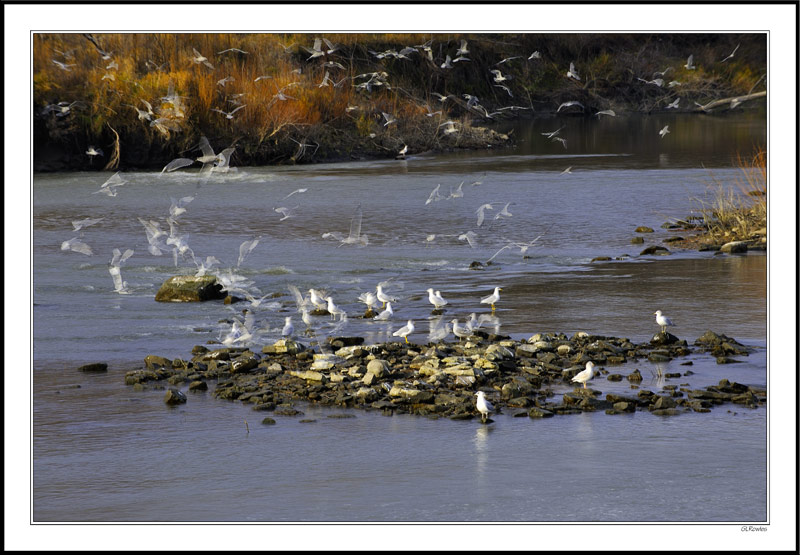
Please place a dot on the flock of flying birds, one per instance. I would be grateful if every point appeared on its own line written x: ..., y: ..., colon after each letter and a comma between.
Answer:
x: 243, y: 330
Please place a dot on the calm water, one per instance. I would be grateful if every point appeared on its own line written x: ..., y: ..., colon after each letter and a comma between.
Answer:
x: 103, y: 452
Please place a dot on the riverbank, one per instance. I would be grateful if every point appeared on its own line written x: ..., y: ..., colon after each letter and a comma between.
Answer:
x: 146, y: 99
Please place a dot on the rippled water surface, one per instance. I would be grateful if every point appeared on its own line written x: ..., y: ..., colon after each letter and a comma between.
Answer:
x: 103, y: 452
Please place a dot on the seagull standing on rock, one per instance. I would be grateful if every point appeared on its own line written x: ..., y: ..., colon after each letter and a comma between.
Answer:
x: 585, y: 375
x: 436, y: 299
x: 663, y: 321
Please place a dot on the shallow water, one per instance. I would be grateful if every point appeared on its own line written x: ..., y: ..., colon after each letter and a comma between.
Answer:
x: 198, y: 462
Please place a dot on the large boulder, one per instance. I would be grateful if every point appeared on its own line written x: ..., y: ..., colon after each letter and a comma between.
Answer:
x: 187, y: 289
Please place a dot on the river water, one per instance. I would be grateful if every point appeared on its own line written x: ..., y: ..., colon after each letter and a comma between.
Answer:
x: 103, y: 452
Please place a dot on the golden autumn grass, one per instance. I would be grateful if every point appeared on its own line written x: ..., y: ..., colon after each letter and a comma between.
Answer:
x: 147, y: 65
x: 740, y: 212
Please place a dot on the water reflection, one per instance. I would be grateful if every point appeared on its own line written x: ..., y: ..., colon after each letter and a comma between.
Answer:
x: 481, y: 442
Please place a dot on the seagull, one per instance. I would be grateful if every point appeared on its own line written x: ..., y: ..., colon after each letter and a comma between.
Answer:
x: 690, y: 62
x: 287, y: 212
x: 572, y: 72
x: 62, y: 65
x: 435, y: 298
x: 437, y: 331
x: 504, y: 60
x: 334, y: 310
x: 232, y: 50
x: 355, y: 236
x: 200, y: 59
x: 585, y: 375
x: 664, y: 131
x: 229, y: 115
x: 204, y: 267
x: 493, y: 298
x: 568, y: 170
x: 178, y: 207
x: 110, y: 186
x: 552, y: 134
x: 177, y: 164
x: 434, y: 196
x: 504, y: 213
x: 288, y: 328
x: 462, y: 49
x: 535, y: 56
x: 405, y: 331
x: 208, y: 156
x: 76, y: 245
x: 261, y: 78
x: 246, y: 248
x: 114, y: 269
x: 389, y: 119
x: 469, y: 237
x: 473, y: 323
x: 458, y: 193
x: 316, y: 50
x: 498, y: 76
x: 672, y: 84
x: 318, y: 299
x: 605, y: 113
x: 445, y: 65
x: 77, y: 225
x: 94, y: 152
x: 562, y: 140
x: 458, y: 331
x: 403, y: 151
x: 729, y: 56
x: 484, y: 406
x: 154, y: 237
x: 674, y: 104
x: 568, y: 104
x: 296, y: 192
x: 450, y: 127
x: 480, y: 212
x: 369, y: 298
x: 663, y: 321
x: 441, y: 97
x: 386, y: 313
x: 383, y: 297
x: 225, y: 80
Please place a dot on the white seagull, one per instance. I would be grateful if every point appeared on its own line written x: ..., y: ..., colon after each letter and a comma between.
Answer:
x: 288, y: 328
x: 386, y: 313
x: 664, y: 131
x: 493, y: 298
x: 663, y: 321
x: 76, y: 245
x: 383, y: 297
x: 690, y: 62
x: 573, y: 72
x: 585, y: 375
x: 405, y: 331
x: 435, y: 298
x: 334, y: 310
x: 458, y: 331
x: 484, y: 406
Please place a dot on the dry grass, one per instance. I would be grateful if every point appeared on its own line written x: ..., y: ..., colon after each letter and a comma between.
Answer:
x: 738, y: 212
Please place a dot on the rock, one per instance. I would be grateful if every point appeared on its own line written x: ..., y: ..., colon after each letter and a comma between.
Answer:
x: 339, y: 342
x: 705, y: 248
x: 665, y: 403
x: 183, y: 289
x: 637, y: 240
x: 476, y: 265
x: 674, y: 239
x: 614, y: 377
x: 644, y: 229
x: 537, y: 412
x: 601, y: 258
x: 377, y: 367
x: 666, y: 412
x: 658, y: 357
x: 635, y: 376
x: 655, y: 249
x: 624, y: 406
x: 726, y: 360
x: 734, y: 247
x: 198, y: 385
x: 174, y: 397
x: 153, y: 362
x: 94, y: 367
x: 268, y: 421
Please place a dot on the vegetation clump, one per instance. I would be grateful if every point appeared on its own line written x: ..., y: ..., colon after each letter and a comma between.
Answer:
x: 298, y: 98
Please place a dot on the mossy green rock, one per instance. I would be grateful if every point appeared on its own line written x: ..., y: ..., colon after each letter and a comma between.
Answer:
x: 187, y: 289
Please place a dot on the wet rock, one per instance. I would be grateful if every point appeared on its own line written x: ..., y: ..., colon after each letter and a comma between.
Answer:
x: 614, y: 377
x: 662, y: 338
x: 635, y: 376
x: 727, y: 360
x: 644, y: 229
x: 655, y: 249
x: 475, y: 265
x: 705, y: 248
x: 339, y: 342
x: 674, y: 239
x: 666, y: 412
x: 664, y: 403
x: 734, y: 247
x: 182, y: 289
x: 268, y: 421
x: 174, y: 397
x: 659, y: 357
x: 637, y: 240
x: 624, y: 406
x: 94, y: 367
x: 153, y: 362
x: 288, y: 411
x: 198, y: 385
x: 601, y: 259
x: 537, y: 412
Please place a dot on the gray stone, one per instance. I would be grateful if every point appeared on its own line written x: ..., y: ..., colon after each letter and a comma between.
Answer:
x: 174, y: 397
x: 734, y: 247
x: 94, y: 367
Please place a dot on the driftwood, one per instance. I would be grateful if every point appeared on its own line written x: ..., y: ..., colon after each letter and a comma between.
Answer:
x: 723, y: 101
x: 113, y: 163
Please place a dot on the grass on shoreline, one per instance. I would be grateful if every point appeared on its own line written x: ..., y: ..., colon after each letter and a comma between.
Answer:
x: 737, y: 213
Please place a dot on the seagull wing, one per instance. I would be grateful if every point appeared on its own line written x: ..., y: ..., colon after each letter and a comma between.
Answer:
x: 355, y: 224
